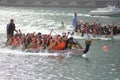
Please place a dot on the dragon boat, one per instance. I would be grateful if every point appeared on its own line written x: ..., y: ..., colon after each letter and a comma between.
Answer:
x: 65, y: 51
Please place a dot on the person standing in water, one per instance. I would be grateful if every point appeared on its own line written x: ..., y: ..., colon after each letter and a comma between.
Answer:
x: 74, y: 22
x: 11, y: 28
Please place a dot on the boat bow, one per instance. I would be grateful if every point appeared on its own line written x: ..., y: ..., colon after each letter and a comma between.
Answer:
x: 88, y: 44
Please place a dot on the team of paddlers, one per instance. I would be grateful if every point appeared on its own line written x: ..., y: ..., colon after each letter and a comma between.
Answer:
x: 97, y: 29
x: 42, y: 41
x: 38, y: 40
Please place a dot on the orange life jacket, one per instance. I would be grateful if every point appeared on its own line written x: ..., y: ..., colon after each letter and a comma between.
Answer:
x: 59, y: 46
x: 51, y: 42
x: 19, y: 42
x: 14, y: 41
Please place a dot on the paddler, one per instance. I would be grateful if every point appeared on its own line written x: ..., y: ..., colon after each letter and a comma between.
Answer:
x: 70, y: 44
x: 57, y: 44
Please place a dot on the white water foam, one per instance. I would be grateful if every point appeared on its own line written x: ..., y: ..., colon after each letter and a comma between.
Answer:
x: 19, y: 52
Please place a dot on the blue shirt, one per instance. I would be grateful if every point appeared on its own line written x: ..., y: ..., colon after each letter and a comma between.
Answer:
x: 74, y: 22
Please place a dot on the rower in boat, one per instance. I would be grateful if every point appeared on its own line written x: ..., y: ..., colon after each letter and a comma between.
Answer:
x: 70, y: 44
x: 57, y: 44
x: 37, y: 42
x: 14, y: 41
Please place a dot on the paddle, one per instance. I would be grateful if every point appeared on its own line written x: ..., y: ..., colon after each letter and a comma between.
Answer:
x: 52, y: 30
x: 112, y: 30
x: 79, y: 45
x: 62, y: 25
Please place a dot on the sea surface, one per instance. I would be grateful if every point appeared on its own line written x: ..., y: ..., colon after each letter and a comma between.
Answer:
x: 18, y: 65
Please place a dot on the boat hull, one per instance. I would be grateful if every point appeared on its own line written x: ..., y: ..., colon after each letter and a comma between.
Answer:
x: 67, y: 51
x: 72, y: 51
x: 107, y: 11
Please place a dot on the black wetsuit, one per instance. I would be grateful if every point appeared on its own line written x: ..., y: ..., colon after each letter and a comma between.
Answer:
x: 10, y: 29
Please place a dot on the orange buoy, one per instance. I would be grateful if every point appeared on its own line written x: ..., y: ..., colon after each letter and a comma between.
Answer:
x: 105, y: 48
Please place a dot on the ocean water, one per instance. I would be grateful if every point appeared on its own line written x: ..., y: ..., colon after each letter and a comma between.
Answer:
x: 18, y: 65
